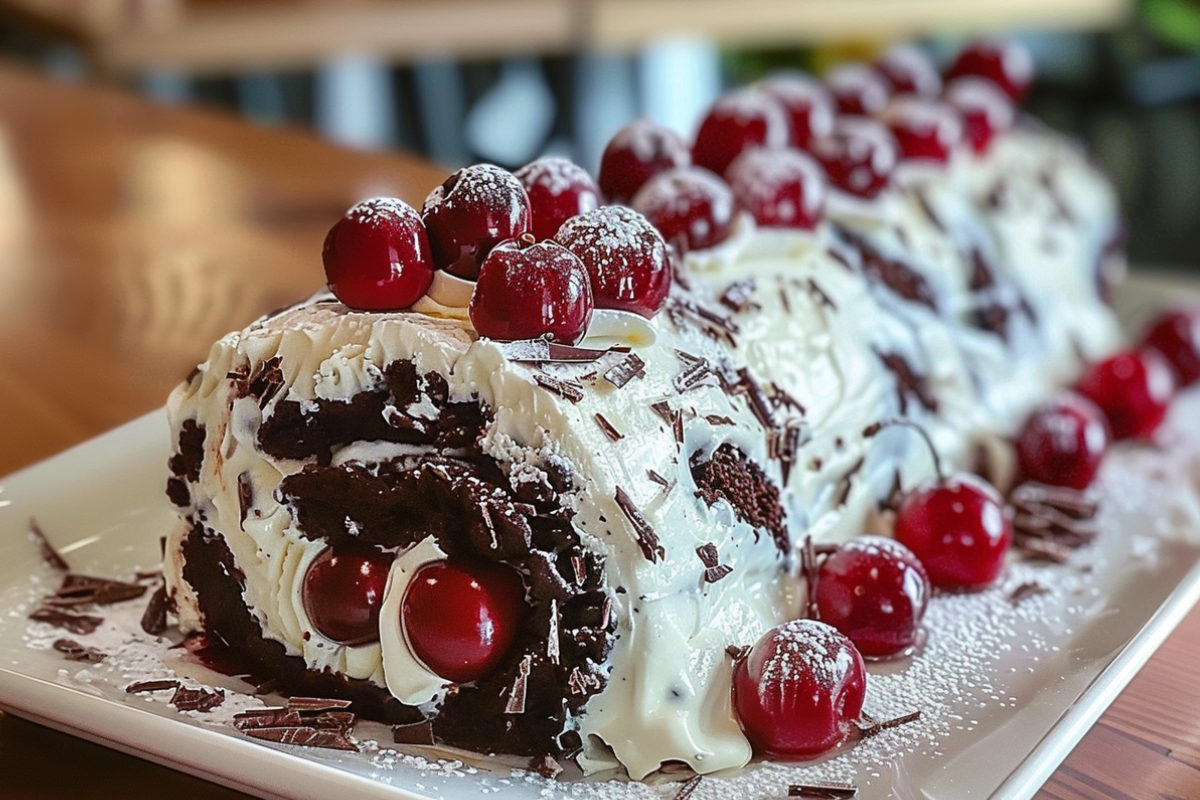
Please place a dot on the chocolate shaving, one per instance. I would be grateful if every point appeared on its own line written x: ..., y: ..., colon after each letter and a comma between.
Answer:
x: 520, y: 687
x: 708, y: 554
x: 303, y: 737
x: 718, y: 419
x: 78, y: 624
x: 873, y: 726
x: 823, y: 298
x: 782, y: 398
x: 268, y: 380
x: 143, y: 687
x: 1025, y: 591
x: 659, y: 479
x: 687, y: 789
x: 737, y: 652
x: 737, y: 297
x: 201, y: 699
x: 843, y: 492
x: 612, y: 433
x: 290, y: 718
x: 540, y: 351
x: 49, y: 554
x: 810, y: 569
x: 691, y: 377
x: 712, y: 323
x: 625, y: 370
x: 566, y: 389
x: 784, y: 445
x: 1050, y: 521
x: 646, y: 537
x: 154, y: 618
x: 923, y: 202
x: 664, y: 410
x: 714, y: 574
x: 759, y: 404
x: 784, y: 301
x: 316, y: 705
x: 245, y: 496
x: 85, y: 589
x: 909, y: 382
x: 74, y: 651
x: 416, y: 733
x: 822, y: 791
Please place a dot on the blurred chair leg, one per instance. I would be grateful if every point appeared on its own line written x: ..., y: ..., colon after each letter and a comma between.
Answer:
x: 438, y: 86
x: 605, y: 99
x: 680, y: 78
x: 260, y: 98
x: 353, y: 102
x: 167, y: 86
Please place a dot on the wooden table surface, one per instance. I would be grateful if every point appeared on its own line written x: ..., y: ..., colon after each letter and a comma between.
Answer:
x: 132, y: 235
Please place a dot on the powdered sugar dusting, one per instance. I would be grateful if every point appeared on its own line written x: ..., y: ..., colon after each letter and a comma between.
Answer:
x: 378, y: 211
x: 554, y: 174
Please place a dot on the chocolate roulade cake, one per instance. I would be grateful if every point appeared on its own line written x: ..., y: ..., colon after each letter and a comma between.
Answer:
x: 537, y: 470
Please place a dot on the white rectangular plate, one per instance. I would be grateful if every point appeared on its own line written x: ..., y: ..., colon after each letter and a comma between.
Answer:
x: 1006, y: 689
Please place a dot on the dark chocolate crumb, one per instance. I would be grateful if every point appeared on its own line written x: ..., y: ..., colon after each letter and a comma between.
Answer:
x: 49, y: 554
x: 659, y: 479
x: 646, y: 537
x: 708, y: 554
x: 611, y: 432
x: 731, y: 476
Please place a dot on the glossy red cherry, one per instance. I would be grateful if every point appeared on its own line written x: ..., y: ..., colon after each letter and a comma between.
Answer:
x: 343, y: 591
x: 637, y: 153
x: 781, y: 188
x: 740, y: 119
x: 874, y: 590
x: 799, y: 690
x: 377, y: 256
x: 625, y: 257
x: 806, y: 101
x: 461, y: 617
x: 528, y: 290
x: 859, y: 156
x: 1004, y: 62
x: 558, y: 189
x: 1063, y: 442
x: 1133, y: 389
x: 959, y: 530
x: 908, y: 69
x: 474, y: 210
x: 986, y: 110
x: 691, y: 207
x: 925, y: 130
x: 1176, y: 334
x: 857, y: 89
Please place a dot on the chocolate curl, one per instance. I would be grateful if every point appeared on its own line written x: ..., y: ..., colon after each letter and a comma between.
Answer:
x: 1051, y: 521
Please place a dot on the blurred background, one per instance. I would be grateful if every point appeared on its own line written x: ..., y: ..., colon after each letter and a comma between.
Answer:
x: 505, y: 81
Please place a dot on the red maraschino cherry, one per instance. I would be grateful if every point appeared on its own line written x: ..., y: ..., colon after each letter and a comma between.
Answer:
x: 986, y: 110
x: 857, y: 88
x: 1133, y: 389
x: 742, y: 118
x: 781, y: 188
x: 799, y: 690
x: 909, y: 70
x: 475, y: 209
x: 558, y: 189
x: 958, y: 528
x: 874, y: 590
x: 1063, y: 442
x: 808, y: 104
x: 1176, y: 334
x: 1004, y: 62
x: 343, y: 592
x: 859, y: 156
x: 638, y: 152
x: 460, y: 618
x: 377, y: 256
x: 691, y: 207
x: 625, y: 256
x: 526, y: 290
x: 925, y: 130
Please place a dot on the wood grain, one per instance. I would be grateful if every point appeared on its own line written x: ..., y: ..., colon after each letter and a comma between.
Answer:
x: 131, y: 236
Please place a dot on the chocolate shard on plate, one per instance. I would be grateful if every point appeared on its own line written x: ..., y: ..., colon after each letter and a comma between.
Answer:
x: 78, y: 624
x: 304, y: 736
x: 77, y: 589
x: 822, y: 791
x: 49, y: 554
x: 416, y: 733
x: 154, y: 618
x: 547, y: 766
x: 316, y: 705
x: 74, y: 651
x: 161, y: 685
x: 200, y: 699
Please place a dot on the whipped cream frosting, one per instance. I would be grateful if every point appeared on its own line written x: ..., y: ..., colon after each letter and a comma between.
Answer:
x: 1000, y: 253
